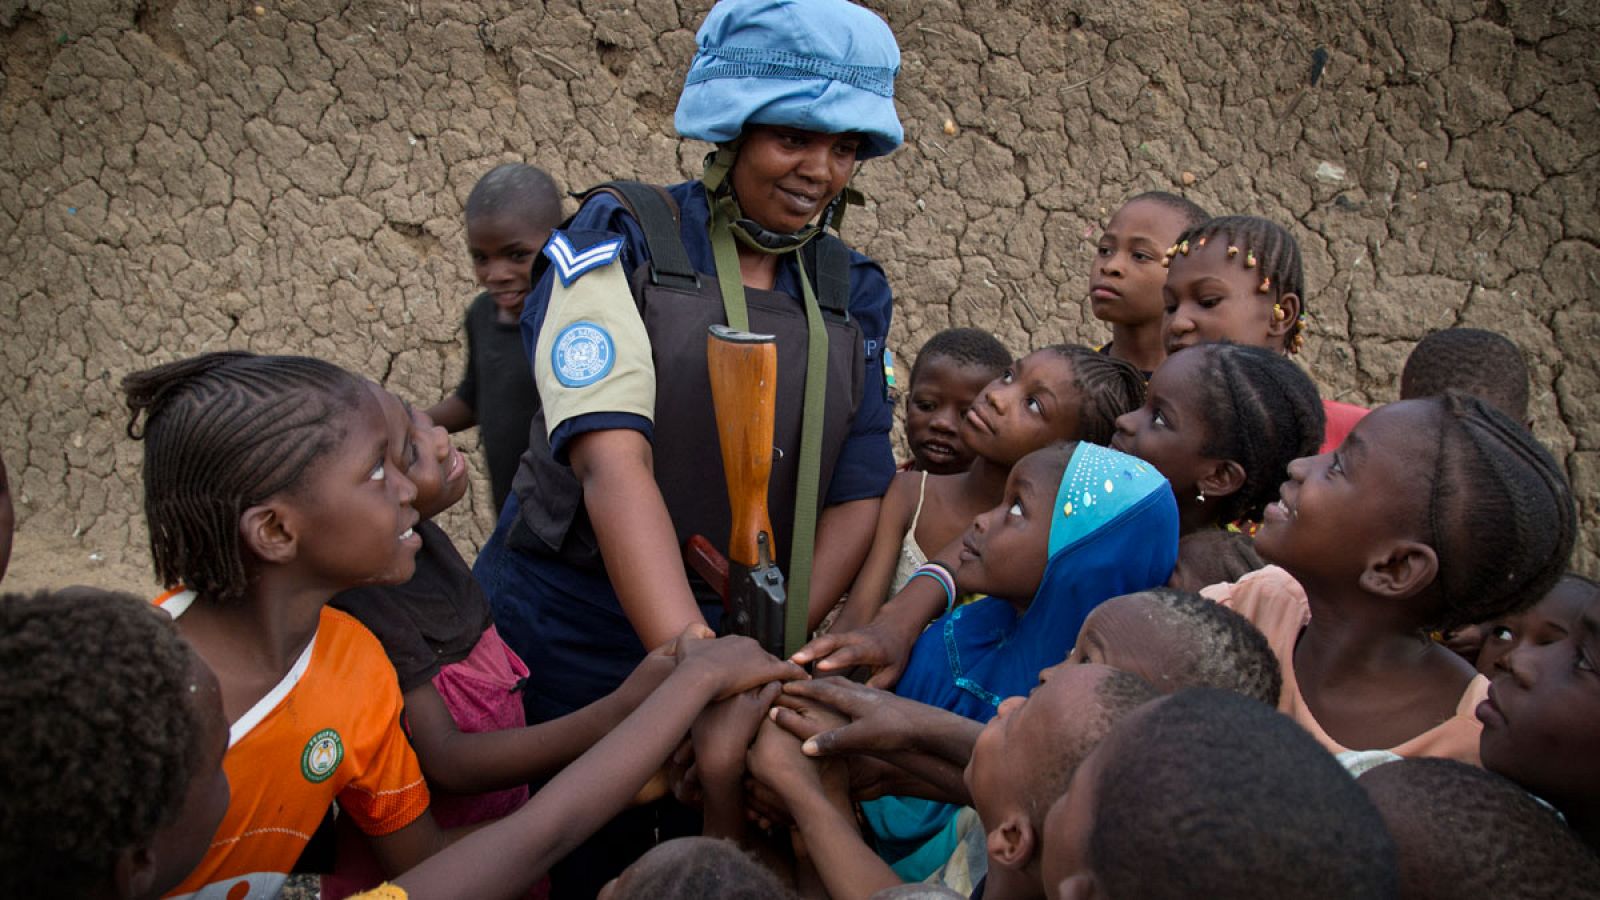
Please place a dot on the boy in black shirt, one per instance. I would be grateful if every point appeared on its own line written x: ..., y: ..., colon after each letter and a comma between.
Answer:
x: 509, y: 216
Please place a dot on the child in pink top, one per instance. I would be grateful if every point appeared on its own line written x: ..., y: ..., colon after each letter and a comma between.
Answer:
x: 1431, y: 513
x: 462, y: 685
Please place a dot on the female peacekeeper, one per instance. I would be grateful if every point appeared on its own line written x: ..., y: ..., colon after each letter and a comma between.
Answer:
x: 585, y: 570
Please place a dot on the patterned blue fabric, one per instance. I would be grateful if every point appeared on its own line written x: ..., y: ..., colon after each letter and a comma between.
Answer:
x: 1113, y: 531
x: 817, y: 65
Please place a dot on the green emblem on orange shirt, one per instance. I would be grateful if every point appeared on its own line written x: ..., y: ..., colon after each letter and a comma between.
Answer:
x: 322, y: 755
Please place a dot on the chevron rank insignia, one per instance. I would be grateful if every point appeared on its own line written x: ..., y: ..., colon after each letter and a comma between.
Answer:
x: 571, y: 263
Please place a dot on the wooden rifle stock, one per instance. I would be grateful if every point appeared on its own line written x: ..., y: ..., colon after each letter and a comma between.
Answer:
x: 744, y: 392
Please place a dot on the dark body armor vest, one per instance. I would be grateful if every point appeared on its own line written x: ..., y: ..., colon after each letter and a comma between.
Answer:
x: 678, y: 305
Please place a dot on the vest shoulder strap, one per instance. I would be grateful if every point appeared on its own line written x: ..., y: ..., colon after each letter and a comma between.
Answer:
x: 657, y: 215
x: 827, y: 261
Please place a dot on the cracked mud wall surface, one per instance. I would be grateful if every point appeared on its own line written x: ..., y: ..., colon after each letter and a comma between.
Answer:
x: 192, y: 175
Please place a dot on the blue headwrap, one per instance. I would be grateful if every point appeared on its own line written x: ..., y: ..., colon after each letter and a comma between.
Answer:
x: 1113, y: 531
x: 817, y: 65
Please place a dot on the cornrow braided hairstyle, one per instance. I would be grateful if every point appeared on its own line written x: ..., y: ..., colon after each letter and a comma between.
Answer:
x: 1500, y: 513
x: 223, y: 432
x: 1189, y: 212
x: 1262, y: 411
x: 964, y: 347
x: 1109, y: 387
x: 1469, y: 361
x: 100, y: 736
x: 1269, y: 248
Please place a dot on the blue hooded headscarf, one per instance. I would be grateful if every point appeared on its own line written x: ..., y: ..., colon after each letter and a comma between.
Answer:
x: 1113, y: 531
x: 817, y: 65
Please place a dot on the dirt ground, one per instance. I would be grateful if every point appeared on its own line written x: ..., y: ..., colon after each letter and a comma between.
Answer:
x: 287, y: 175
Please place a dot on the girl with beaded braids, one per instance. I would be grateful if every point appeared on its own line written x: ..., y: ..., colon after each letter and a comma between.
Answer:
x: 1240, y: 279
x: 585, y: 570
x: 1432, y: 513
x: 272, y: 483
x: 1222, y: 422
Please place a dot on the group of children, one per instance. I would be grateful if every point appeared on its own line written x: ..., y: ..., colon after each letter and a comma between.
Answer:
x: 1132, y: 620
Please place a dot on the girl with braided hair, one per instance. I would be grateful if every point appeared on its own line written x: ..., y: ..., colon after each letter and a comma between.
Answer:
x: 1240, y: 279
x: 1222, y: 422
x: 272, y: 483
x: 1063, y: 392
x: 1432, y: 513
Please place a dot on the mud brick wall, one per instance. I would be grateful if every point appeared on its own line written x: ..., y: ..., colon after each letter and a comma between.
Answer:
x: 180, y: 175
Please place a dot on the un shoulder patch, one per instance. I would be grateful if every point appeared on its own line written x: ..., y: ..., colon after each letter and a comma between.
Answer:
x: 322, y: 755
x: 571, y: 263
x: 583, y: 354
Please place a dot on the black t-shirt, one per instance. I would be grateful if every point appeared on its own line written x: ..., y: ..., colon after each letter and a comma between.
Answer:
x: 433, y: 620
x: 498, y: 385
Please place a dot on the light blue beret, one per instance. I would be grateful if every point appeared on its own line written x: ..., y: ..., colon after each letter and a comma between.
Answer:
x: 817, y: 65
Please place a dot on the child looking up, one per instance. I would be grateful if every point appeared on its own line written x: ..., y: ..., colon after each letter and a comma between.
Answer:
x: 1062, y: 392
x: 1210, y: 794
x: 1239, y: 279
x: 1221, y: 422
x: 1177, y: 639
x: 1554, y: 617
x: 1127, y: 274
x: 1469, y: 361
x: 1076, y: 525
x: 951, y: 368
x: 142, y: 733
x: 1541, y: 721
x: 509, y: 213
x: 111, y: 763
x: 1463, y: 832
x: 1020, y: 763
x: 461, y: 683
x: 1431, y: 513
x: 271, y: 483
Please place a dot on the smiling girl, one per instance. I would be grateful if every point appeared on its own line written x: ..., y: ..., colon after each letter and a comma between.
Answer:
x: 1240, y: 279
x: 1432, y: 513
x: 271, y: 483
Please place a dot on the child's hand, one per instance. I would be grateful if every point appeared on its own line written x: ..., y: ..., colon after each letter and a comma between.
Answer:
x: 652, y: 670
x: 723, y: 733
x: 776, y: 761
x: 868, y: 720
x: 732, y: 664
x: 805, y: 718
x: 882, y: 646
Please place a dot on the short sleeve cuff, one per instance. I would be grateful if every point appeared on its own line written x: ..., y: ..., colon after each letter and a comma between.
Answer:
x: 599, y: 421
x: 864, y: 470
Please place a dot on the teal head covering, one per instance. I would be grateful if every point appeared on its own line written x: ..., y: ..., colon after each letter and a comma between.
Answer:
x: 1113, y: 531
x: 817, y: 65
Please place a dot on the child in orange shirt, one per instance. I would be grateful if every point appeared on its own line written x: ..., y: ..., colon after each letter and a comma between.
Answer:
x: 462, y: 685
x: 271, y: 483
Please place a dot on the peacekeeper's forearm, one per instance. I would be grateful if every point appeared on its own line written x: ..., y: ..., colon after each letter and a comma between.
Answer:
x: 844, y: 535
x: 635, y: 532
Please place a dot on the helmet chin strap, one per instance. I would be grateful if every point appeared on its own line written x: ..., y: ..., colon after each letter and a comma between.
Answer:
x: 747, y: 231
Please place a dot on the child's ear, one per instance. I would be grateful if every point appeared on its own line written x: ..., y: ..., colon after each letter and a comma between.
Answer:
x: 265, y: 530
x: 1226, y: 477
x: 133, y: 873
x: 1290, y: 304
x: 1400, y: 570
x: 1011, y: 843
